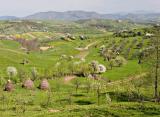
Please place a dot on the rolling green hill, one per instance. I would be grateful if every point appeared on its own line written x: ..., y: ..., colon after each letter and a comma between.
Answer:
x: 69, y: 55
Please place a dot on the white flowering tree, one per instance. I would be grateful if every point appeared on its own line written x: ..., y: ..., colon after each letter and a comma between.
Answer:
x: 12, y: 72
x: 102, y: 68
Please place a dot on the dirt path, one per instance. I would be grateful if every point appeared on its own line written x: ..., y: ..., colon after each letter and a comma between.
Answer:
x: 68, y: 78
x: 84, y: 51
x: 82, y: 54
x: 87, y: 47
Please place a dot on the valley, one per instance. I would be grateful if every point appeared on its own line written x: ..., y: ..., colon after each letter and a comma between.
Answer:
x: 90, y: 68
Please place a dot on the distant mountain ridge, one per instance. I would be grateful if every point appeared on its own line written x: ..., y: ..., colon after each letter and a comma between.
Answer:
x: 8, y: 18
x: 81, y: 15
x: 68, y: 15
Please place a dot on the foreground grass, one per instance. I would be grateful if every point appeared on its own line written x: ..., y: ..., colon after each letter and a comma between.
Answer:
x: 64, y: 101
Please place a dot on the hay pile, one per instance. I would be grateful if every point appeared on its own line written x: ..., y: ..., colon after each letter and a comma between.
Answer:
x: 28, y: 84
x: 44, y: 85
x: 9, y: 86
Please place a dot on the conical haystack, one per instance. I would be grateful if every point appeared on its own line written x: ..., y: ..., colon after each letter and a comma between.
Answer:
x: 28, y: 84
x: 44, y: 85
x: 9, y: 86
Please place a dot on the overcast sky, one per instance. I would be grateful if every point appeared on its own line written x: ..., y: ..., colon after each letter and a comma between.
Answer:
x: 27, y: 7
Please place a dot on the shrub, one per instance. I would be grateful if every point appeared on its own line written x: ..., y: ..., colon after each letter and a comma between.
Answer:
x: 119, y: 61
x: 108, y: 99
x: 82, y: 69
x: 95, y: 66
x: 109, y: 54
x: 34, y: 73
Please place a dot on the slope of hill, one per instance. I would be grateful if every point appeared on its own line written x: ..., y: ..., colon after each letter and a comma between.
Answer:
x: 109, y: 25
x: 122, y: 90
x: 80, y: 26
x: 18, y: 26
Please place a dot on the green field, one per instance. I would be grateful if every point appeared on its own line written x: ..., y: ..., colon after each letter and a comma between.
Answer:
x: 125, y: 89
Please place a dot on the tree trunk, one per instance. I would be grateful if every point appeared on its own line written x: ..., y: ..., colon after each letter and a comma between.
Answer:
x: 156, y: 72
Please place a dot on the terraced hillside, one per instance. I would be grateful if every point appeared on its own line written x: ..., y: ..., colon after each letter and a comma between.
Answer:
x: 14, y: 54
x: 93, y: 69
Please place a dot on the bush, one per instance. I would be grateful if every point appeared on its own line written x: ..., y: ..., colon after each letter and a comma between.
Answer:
x: 108, y: 99
x: 119, y: 61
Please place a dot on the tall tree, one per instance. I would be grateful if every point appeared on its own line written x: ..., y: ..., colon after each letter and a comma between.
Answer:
x: 156, y: 67
x: 155, y: 59
x: 152, y: 56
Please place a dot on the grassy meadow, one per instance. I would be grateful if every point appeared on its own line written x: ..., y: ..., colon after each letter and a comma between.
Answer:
x: 63, y: 54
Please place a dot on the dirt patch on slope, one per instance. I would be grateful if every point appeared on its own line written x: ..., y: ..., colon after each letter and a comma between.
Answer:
x: 68, y: 78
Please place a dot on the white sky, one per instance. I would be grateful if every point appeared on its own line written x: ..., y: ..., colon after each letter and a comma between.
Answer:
x: 27, y: 7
